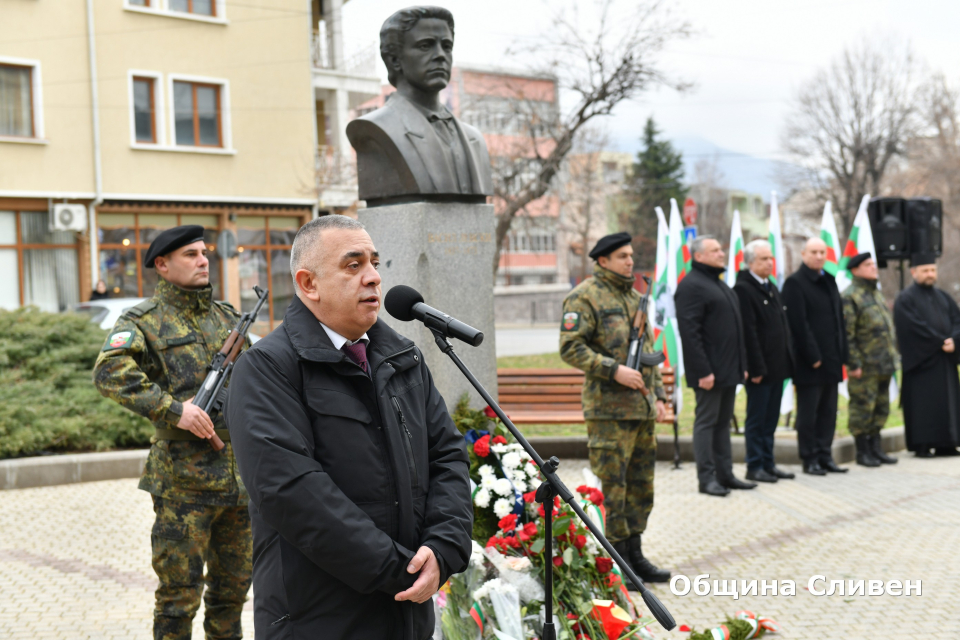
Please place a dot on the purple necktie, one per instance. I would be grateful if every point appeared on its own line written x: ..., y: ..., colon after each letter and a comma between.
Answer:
x: 357, y: 352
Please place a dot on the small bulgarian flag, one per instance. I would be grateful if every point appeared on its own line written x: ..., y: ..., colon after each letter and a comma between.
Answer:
x: 663, y: 301
x: 828, y: 233
x: 735, y: 260
x: 476, y: 612
x: 775, y: 238
x: 860, y: 240
x: 680, y: 260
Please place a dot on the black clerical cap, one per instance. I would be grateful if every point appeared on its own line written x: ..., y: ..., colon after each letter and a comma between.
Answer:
x: 858, y: 260
x: 608, y: 244
x: 920, y: 259
x: 171, y: 240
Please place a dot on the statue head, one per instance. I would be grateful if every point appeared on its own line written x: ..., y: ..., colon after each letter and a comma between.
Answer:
x: 416, y: 44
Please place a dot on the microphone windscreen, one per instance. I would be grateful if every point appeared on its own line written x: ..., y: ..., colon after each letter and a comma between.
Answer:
x: 399, y: 302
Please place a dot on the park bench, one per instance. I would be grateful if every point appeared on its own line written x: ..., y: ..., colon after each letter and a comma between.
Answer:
x: 552, y: 396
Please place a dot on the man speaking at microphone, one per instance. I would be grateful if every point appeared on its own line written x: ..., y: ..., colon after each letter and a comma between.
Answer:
x: 359, y: 491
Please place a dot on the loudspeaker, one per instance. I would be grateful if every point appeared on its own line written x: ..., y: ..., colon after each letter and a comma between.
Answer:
x: 925, y: 218
x: 891, y: 237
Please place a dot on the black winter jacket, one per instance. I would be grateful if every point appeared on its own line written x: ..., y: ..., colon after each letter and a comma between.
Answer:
x: 711, y: 329
x: 348, y: 476
x: 765, y: 329
x: 815, y: 314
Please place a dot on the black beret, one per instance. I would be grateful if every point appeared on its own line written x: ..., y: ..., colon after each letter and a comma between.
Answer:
x: 171, y: 240
x: 857, y: 260
x: 608, y: 244
x: 920, y: 259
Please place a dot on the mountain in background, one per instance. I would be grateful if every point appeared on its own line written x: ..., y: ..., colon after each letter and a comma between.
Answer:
x: 740, y: 171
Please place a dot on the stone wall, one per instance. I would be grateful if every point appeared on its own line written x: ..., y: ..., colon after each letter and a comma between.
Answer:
x: 529, y: 304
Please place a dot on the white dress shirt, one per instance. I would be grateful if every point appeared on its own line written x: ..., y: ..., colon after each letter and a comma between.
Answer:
x: 338, y: 340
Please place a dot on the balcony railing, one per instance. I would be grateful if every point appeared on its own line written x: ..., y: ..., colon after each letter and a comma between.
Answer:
x: 360, y: 63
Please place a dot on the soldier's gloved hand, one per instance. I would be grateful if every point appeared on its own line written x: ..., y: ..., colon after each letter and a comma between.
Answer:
x: 629, y: 378
x: 195, y: 420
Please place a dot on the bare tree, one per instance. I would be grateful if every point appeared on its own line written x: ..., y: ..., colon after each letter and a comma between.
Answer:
x: 583, y: 195
x: 708, y: 191
x: 852, y: 119
x: 599, y: 57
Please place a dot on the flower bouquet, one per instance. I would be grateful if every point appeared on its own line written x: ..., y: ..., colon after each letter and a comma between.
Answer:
x: 501, y: 593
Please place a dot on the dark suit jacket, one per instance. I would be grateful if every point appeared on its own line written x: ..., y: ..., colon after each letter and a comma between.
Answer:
x: 815, y: 313
x: 710, y: 328
x: 765, y: 329
x: 400, y: 154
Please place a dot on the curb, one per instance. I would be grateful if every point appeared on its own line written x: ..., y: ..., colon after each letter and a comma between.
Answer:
x: 784, y: 449
x: 46, y: 471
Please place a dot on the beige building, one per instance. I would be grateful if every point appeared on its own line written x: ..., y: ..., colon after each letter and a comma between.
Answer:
x: 149, y: 114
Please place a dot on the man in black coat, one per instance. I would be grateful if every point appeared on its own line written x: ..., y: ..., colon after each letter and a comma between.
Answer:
x: 928, y: 329
x: 769, y: 358
x: 715, y: 360
x: 815, y: 313
x: 359, y: 491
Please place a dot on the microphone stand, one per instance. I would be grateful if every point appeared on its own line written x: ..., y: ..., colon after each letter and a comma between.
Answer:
x: 553, y: 486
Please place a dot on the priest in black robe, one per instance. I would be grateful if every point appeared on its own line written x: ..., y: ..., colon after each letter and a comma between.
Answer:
x: 928, y: 332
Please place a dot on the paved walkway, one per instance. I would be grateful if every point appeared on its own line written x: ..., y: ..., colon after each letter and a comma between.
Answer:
x: 75, y: 559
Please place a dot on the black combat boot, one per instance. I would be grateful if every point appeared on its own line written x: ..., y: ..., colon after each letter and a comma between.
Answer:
x: 865, y: 456
x: 623, y: 548
x: 647, y: 571
x: 877, y: 451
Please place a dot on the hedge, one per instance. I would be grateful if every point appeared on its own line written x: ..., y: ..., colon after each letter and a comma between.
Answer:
x: 48, y: 403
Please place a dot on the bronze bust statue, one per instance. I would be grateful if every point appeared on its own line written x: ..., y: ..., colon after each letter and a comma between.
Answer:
x: 413, y: 148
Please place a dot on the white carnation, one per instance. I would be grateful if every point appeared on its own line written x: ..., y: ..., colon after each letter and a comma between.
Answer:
x: 511, y: 460
x: 503, y: 487
x: 482, y: 498
x: 535, y: 483
x: 498, y: 448
x: 532, y: 470
x: 503, y: 507
x: 488, y: 482
x: 520, y: 486
x: 487, y: 470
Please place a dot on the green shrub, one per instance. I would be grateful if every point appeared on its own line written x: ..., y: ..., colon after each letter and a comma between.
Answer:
x: 47, y: 399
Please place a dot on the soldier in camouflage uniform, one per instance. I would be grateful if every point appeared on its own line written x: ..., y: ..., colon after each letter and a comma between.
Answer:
x: 153, y: 363
x: 620, y: 405
x: 873, y: 360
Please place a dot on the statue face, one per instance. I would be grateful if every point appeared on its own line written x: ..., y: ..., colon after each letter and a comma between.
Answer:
x: 427, y: 55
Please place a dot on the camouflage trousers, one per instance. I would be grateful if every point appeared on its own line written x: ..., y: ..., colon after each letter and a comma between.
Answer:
x: 623, y: 454
x: 185, y: 537
x: 869, y: 404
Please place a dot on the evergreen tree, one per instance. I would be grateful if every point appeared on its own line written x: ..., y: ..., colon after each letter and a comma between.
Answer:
x: 657, y: 176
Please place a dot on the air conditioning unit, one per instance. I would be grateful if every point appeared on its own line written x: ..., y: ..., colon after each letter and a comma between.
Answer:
x: 69, y: 217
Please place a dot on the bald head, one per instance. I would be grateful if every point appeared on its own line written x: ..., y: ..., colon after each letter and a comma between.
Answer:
x: 814, y: 253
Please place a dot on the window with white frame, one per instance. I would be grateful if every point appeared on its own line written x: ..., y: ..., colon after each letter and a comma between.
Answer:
x: 144, y: 110
x: 204, y: 10
x: 196, y: 7
x: 198, y: 114
x: 20, y: 108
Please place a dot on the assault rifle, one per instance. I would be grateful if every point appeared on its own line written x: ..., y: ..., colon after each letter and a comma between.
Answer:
x: 209, y: 397
x: 636, y: 358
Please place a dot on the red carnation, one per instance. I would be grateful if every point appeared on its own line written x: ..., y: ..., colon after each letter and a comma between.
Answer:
x: 499, y: 440
x: 530, y: 529
x: 512, y: 542
x: 508, y: 523
x: 604, y: 565
x: 562, y: 537
x: 482, y: 447
x: 596, y: 497
x: 572, y: 616
x: 494, y: 542
x: 557, y: 561
x: 584, y: 489
x: 489, y: 412
x: 530, y: 496
x: 579, y: 541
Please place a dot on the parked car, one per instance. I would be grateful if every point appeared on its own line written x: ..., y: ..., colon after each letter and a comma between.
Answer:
x: 107, y: 311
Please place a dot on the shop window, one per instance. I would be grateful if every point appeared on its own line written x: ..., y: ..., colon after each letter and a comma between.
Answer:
x: 39, y: 266
x: 264, y: 245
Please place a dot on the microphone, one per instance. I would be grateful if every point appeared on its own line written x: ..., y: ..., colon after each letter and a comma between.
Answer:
x: 405, y: 303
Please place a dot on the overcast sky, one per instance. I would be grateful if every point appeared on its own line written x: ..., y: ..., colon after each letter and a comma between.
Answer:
x: 747, y: 58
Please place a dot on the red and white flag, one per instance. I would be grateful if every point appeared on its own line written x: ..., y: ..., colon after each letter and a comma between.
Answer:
x: 735, y: 258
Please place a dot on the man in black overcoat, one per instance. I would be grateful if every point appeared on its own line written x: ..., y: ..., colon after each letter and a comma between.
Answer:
x: 928, y: 329
x: 715, y: 360
x: 359, y: 491
x: 769, y: 358
x: 815, y: 313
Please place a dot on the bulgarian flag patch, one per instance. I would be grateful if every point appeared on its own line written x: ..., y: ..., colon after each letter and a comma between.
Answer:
x: 571, y: 321
x: 119, y: 340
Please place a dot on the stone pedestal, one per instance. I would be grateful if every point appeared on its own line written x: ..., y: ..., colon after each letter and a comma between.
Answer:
x: 444, y: 251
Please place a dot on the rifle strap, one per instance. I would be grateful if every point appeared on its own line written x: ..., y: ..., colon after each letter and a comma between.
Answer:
x: 183, y: 434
